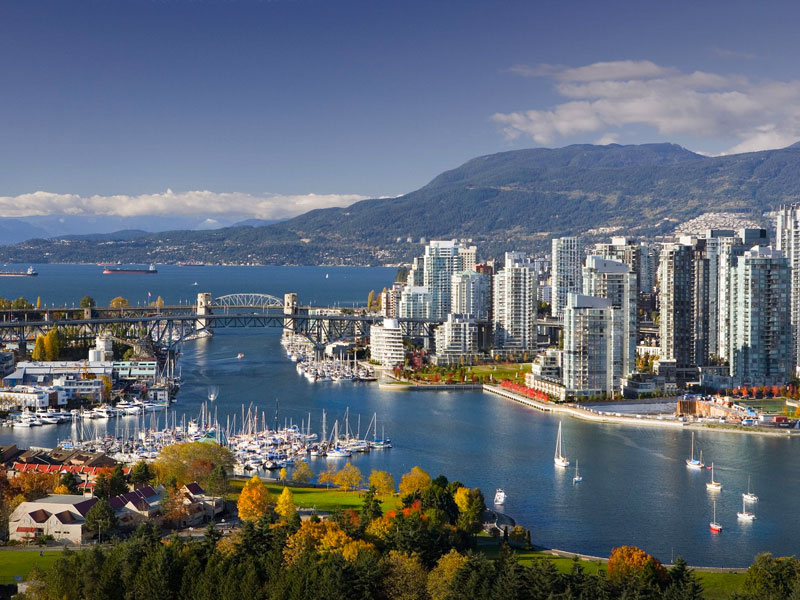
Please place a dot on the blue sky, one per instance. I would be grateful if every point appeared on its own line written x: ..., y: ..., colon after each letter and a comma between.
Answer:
x: 266, y: 109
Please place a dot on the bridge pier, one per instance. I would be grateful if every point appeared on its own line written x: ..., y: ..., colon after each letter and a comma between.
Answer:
x: 204, y: 326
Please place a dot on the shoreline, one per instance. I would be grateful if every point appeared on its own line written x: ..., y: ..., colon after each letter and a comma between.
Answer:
x: 597, y: 417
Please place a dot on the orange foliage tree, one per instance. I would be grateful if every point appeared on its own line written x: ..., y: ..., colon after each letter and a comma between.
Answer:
x: 254, y: 500
x: 627, y: 562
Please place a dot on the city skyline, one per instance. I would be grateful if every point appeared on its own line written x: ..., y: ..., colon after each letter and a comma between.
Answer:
x: 272, y: 109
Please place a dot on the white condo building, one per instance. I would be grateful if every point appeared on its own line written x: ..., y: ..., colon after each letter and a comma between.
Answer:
x: 470, y: 293
x: 588, y: 346
x: 565, y: 278
x: 441, y: 260
x: 415, y: 303
x: 615, y: 281
x: 515, y: 304
x: 386, y: 343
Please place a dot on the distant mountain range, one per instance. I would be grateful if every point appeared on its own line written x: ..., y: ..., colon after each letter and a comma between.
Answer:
x: 511, y: 200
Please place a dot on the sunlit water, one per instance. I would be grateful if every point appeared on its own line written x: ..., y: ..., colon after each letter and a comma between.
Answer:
x: 636, y: 487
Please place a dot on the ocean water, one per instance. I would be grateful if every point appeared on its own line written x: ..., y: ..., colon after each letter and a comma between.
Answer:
x: 636, y: 489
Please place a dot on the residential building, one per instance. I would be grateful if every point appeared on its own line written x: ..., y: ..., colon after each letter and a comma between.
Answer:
x: 456, y: 340
x: 761, y: 335
x: 390, y: 300
x: 415, y: 303
x: 416, y: 275
x: 60, y: 516
x: 441, y: 260
x: 787, y: 240
x: 515, y: 304
x: 565, y: 278
x: 488, y: 269
x: 616, y: 282
x: 470, y: 292
x: 588, y: 346
x: 386, y: 343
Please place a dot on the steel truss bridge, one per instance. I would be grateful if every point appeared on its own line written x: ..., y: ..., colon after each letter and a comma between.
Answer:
x: 168, y: 326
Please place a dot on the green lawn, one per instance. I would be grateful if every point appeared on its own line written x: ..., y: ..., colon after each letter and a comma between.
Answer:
x: 716, y: 586
x: 20, y: 562
x: 719, y: 586
x: 320, y: 498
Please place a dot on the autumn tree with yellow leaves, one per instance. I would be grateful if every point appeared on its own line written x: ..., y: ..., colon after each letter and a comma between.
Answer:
x: 285, y: 506
x: 383, y: 482
x: 415, y: 481
x: 349, y: 478
x: 254, y: 500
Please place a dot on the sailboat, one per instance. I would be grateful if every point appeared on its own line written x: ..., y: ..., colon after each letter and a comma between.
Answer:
x: 578, y: 478
x: 559, y: 459
x: 744, y: 515
x: 714, y: 526
x: 713, y: 486
x: 692, y: 462
x: 749, y: 496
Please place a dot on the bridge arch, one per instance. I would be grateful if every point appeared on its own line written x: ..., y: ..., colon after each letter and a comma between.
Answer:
x: 248, y: 299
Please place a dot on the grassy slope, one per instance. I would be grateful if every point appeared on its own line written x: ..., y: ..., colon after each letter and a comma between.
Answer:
x: 320, y: 498
x: 20, y: 562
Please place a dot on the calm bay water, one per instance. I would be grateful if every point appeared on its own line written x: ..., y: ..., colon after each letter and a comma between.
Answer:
x: 636, y: 488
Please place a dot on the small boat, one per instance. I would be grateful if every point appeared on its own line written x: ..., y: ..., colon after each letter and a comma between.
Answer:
x: 749, y: 496
x: 692, y: 462
x: 499, y: 497
x: 714, y: 526
x: 745, y: 515
x: 578, y: 478
x: 240, y: 355
x: 559, y: 459
x: 713, y: 486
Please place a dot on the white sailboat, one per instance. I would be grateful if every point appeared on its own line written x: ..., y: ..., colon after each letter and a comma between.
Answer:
x: 745, y: 515
x: 578, y: 478
x: 692, y: 462
x: 713, y: 486
x: 559, y: 459
x: 749, y: 496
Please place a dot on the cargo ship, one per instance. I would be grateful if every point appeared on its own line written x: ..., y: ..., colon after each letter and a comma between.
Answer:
x: 30, y: 272
x: 121, y: 270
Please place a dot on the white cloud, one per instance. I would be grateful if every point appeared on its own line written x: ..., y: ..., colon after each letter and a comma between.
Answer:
x: 193, y: 203
x: 610, y: 96
x: 607, y: 138
x: 733, y: 54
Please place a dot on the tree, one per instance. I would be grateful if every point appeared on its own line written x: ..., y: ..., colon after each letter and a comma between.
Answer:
x: 328, y: 476
x: 38, y: 302
x: 107, y: 386
x: 87, y: 302
x: 191, y: 461
x: 217, y: 481
x: 39, y: 352
x: 771, y: 578
x: 470, y: 509
x: 382, y: 481
x: 302, y: 473
x: 349, y: 478
x: 630, y: 562
x: 52, y: 345
x: 415, y: 481
x: 406, y: 577
x: 100, y: 517
x: 371, y: 300
x: 254, y: 500
x: 371, y: 509
x: 283, y: 474
x: 119, y: 302
x: 173, y: 507
x: 441, y: 577
x: 116, y: 483
x: 68, y: 481
x: 285, y: 506
x: 62, y: 489
x: 101, y: 486
x: 140, y: 474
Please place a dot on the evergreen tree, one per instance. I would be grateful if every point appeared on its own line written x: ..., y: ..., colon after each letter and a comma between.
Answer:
x: 101, y: 486
x: 371, y: 508
x: 116, y: 483
x: 140, y: 474
x: 217, y: 481
x: 68, y: 481
x: 100, y: 518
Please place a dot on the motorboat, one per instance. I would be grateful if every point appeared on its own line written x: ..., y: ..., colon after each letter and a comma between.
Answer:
x: 499, y: 497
